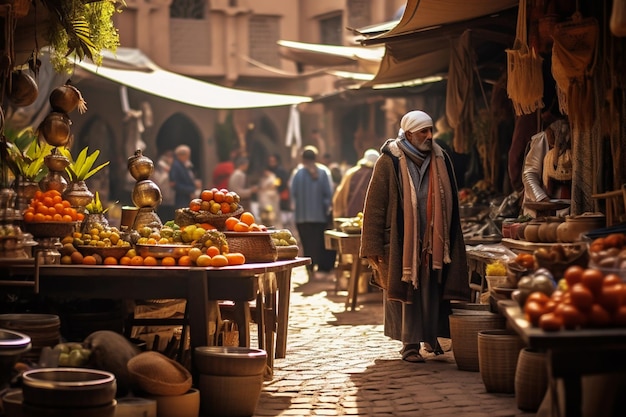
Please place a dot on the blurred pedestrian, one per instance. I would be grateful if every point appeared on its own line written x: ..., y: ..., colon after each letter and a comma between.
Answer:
x: 349, y: 197
x: 186, y: 185
x: 311, y: 192
x: 285, y: 213
x: 412, y: 237
x: 269, y: 199
x: 223, y: 171
x: 161, y: 174
x: 238, y: 182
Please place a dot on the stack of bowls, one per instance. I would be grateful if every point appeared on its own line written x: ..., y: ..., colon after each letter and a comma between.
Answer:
x: 12, y: 346
x: 68, y: 392
x: 43, y: 330
x: 231, y: 379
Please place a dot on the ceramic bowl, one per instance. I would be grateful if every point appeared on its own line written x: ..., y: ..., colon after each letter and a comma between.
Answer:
x: 185, y: 405
x: 68, y: 387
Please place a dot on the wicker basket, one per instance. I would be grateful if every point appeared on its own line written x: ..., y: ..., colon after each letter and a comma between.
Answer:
x: 464, y: 328
x: 531, y: 379
x: 255, y: 246
x: 156, y: 374
x: 185, y: 217
x: 287, y: 252
x: 116, y: 252
x: 498, y: 351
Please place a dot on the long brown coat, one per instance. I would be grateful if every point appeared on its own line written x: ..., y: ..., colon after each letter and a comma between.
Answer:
x: 383, y: 229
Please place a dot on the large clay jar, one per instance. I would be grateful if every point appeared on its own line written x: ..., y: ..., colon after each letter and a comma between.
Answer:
x: 574, y: 226
x: 547, y: 230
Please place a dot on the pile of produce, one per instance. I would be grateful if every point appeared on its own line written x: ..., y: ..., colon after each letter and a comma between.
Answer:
x: 49, y: 206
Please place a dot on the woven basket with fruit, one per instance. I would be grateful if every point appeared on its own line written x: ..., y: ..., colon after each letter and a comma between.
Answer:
x: 212, y: 206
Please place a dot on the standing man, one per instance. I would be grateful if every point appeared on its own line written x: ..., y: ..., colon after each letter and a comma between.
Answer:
x: 312, y: 194
x: 184, y: 181
x: 412, y: 237
x: 349, y: 196
x: 238, y: 182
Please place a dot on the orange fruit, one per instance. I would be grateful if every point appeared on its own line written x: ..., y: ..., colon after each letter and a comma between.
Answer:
x: 212, y: 251
x: 235, y: 258
x: 136, y: 260
x: 58, y: 207
x: 124, y: 260
x: 89, y: 260
x: 203, y: 260
x: 168, y: 261
x: 184, y: 260
x: 229, y: 197
x: 29, y: 216
x: 231, y: 222
x: 39, y: 217
x: 109, y: 260
x: 206, y: 195
x: 241, y: 227
x: 80, y: 216
x: 150, y: 261
x: 76, y: 257
x: 195, y: 204
x: 225, y: 207
x: 57, y: 217
x: 218, y: 197
x: 194, y: 253
x: 219, y: 260
x: 247, y: 218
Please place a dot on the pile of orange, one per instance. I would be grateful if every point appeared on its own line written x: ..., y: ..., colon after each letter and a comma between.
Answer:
x: 49, y: 206
x: 245, y: 223
x: 215, y: 201
x: 212, y: 256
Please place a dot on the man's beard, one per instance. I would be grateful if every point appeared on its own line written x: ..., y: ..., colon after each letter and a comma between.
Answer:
x: 425, y: 146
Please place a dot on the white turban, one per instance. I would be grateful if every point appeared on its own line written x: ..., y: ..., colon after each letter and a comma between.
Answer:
x: 415, y: 120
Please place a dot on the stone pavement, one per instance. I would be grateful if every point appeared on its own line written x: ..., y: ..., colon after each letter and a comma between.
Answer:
x: 339, y: 363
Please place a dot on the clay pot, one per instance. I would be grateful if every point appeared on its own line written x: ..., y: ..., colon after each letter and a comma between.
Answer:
x: 547, y: 230
x: 575, y: 226
x: 531, y: 232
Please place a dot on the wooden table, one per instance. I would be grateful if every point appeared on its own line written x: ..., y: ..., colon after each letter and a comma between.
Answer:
x: 199, y: 286
x: 571, y: 353
x: 347, y: 244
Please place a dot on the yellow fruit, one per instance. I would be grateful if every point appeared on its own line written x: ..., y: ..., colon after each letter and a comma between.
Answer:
x: 197, y: 234
x: 194, y: 253
x: 215, y: 208
x: 66, y: 260
x: 203, y: 260
x: 131, y: 253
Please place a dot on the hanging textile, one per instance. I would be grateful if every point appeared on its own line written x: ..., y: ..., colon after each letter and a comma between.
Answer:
x: 460, y: 106
x: 574, y: 54
x: 525, y: 78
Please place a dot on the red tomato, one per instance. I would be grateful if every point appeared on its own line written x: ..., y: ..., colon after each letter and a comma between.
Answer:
x: 612, y: 279
x: 573, y: 275
x: 598, y: 316
x: 534, y: 311
x: 581, y: 296
x: 572, y: 317
x: 538, y: 296
x: 550, y: 322
x: 592, y: 279
x: 610, y: 297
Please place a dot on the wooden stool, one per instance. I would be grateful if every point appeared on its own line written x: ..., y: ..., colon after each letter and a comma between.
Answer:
x: 615, y: 205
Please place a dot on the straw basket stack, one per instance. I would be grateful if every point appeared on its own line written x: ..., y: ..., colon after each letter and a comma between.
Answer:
x: 464, y: 328
x: 498, y: 351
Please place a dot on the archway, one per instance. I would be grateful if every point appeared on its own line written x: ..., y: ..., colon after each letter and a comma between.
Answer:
x: 178, y: 129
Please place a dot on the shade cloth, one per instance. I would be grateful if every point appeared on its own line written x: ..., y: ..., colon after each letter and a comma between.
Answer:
x: 132, y: 68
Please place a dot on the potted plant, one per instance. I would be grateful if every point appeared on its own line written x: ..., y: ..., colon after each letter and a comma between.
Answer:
x: 79, y: 170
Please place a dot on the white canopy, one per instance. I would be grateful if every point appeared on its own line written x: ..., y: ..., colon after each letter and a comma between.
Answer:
x: 132, y: 68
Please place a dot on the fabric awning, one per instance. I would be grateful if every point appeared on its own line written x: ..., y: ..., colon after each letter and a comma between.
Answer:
x: 132, y: 68
x: 419, y: 46
x: 367, y: 59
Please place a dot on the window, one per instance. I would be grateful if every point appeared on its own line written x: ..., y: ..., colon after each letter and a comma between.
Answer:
x: 331, y: 30
x: 264, y: 32
x: 187, y: 9
x: 359, y: 13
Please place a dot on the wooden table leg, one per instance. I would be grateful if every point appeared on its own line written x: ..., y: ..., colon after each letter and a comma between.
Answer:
x: 283, y: 279
x: 353, y: 283
x: 198, y: 311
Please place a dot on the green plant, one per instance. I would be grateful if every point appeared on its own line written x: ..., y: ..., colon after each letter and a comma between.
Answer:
x: 26, y: 155
x: 82, y: 167
x: 95, y: 207
x: 81, y: 28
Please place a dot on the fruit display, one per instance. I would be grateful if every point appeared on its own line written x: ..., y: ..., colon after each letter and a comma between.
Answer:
x: 49, y: 206
x: 216, y: 201
x: 283, y: 237
x: 353, y: 225
x: 245, y: 223
x: 584, y: 298
x: 609, y: 252
x: 72, y: 354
